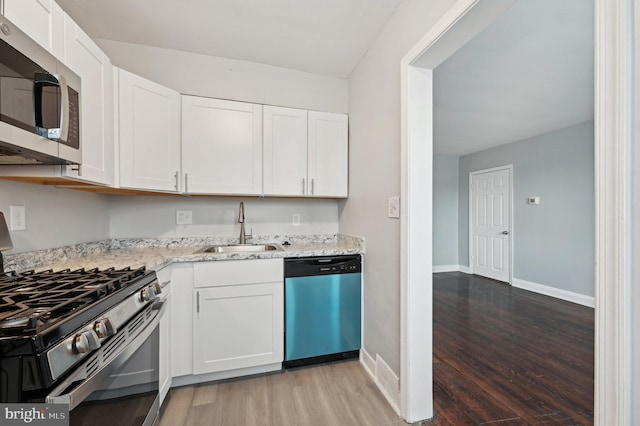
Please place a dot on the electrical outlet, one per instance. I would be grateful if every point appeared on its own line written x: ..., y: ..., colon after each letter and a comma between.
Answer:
x: 18, y: 218
x: 295, y: 219
x: 184, y: 217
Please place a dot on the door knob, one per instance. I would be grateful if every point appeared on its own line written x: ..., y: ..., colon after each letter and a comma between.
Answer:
x: 505, y: 232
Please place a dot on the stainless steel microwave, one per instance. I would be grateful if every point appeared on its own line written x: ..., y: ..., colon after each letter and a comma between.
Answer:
x: 39, y: 103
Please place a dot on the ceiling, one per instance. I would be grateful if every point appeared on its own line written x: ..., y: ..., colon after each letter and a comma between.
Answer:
x: 326, y: 37
x: 528, y: 73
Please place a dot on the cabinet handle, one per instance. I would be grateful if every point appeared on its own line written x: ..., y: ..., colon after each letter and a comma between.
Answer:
x: 197, y: 301
x: 312, y: 186
x: 186, y: 182
x: 303, y: 186
x: 176, y: 177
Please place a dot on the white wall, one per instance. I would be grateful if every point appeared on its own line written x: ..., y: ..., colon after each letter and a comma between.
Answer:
x: 445, y: 211
x: 55, y: 217
x: 201, y: 75
x: 374, y: 168
x: 155, y: 216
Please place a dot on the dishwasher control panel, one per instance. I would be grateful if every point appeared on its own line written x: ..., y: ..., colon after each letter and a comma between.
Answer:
x: 309, y: 266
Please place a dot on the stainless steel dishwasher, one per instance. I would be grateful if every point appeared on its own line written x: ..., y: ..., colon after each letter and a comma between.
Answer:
x: 322, y: 309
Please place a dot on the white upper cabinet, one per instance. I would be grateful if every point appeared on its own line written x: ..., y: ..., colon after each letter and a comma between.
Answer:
x: 42, y: 20
x: 305, y: 153
x: 149, y: 134
x: 285, y: 151
x: 328, y: 154
x: 221, y: 146
x: 86, y: 59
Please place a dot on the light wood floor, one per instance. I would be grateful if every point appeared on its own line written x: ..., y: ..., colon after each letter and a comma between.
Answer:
x: 338, y: 394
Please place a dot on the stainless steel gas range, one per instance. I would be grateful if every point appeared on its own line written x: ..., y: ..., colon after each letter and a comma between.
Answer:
x: 86, y: 338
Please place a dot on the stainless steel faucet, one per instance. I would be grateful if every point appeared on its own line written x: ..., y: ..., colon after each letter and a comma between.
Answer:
x: 243, y: 237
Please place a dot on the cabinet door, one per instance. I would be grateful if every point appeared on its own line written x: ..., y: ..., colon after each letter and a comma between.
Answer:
x: 165, y: 347
x: 181, y: 319
x: 149, y: 125
x: 285, y: 151
x: 221, y: 146
x: 328, y: 158
x: 237, y: 327
x: 86, y: 59
x: 35, y: 18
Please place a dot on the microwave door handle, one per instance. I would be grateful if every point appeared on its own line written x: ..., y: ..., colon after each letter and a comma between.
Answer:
x: 64, y: 108
x: 74, y: 397
x: 40, y: 81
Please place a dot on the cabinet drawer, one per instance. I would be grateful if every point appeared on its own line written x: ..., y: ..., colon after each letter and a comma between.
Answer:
x: 237, y: 272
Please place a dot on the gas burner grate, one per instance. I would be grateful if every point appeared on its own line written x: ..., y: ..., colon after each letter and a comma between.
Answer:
x: 31, y: 299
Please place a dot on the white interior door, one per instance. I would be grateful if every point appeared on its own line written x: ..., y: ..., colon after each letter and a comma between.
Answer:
x: 491, y: 224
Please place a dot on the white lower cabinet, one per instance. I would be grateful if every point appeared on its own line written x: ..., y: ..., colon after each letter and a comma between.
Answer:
x: 238, y: 314
x: 181, y: 319
x: 164, y: 278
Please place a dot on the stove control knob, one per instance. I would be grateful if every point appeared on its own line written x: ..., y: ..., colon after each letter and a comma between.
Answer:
x: 147, y: 294
x: 103, y: 328
x: 85, y: 342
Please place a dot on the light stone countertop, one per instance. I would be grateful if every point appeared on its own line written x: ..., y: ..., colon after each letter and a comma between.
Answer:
x: 155, y: 254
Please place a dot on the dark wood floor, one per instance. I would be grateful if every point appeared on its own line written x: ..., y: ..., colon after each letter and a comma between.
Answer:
x: 507, y: 356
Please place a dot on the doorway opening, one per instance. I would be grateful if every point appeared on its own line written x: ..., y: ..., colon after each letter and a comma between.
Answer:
x: 463, y: 22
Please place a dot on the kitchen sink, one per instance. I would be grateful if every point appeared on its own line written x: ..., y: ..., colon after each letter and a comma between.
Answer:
x: 238, y: 248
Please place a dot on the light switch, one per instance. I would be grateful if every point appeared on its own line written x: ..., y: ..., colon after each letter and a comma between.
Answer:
x: 295, y: 219
x: 393, y: 207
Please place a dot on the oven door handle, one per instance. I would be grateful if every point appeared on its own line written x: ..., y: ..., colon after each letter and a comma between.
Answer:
x: 88, y: 384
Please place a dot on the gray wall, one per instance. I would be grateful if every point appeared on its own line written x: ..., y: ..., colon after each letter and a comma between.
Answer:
x: 215, y: 77
x: 374, y: 170
x: 155, y: 216
x: 554, y: 242
x: 58, y: 217
x: 445, y: 210
x: 55, y: 217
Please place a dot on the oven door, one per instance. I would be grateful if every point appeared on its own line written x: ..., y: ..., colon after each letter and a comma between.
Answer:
x: 119, y: 384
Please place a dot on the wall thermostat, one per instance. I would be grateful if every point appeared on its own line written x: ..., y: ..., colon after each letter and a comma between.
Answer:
x: 533, y: 200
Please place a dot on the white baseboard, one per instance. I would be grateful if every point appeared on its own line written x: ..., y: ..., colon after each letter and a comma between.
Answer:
x: 384, y: 377
x: 569, y: 296
x: 450, y: 268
